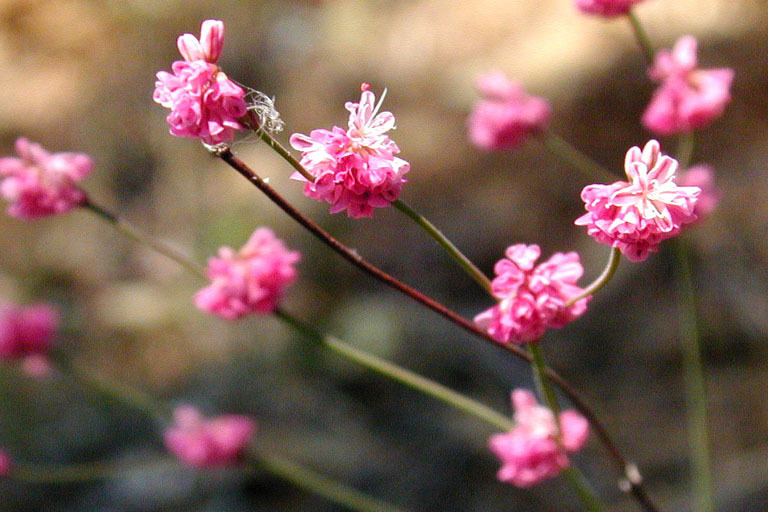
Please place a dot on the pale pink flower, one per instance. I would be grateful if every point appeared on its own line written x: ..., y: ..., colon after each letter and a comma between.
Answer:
x: 27, y: 331
x: 703, y: 177
x: 204, y: 443
x: 251, y: 280
x: 205, y: 104
x: 536, y: 450
x: 354, y: 169
x: 636, y: 216
x: 688, y: 98
x: 532, y: 299
x: 6, y: 464
x: 38, y: 183
x: 606, y: 8
x: 506, y: 115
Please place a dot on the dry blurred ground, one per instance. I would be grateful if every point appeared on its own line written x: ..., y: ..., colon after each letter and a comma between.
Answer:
x: 78, y: 75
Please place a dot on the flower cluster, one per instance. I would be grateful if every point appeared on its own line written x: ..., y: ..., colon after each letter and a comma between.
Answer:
x: 635, y: 216
x: 38, y: 183
x: 26, y: 333
x: 354, y: 169
x: 536, y: 449
x: 205, y: 443
x: 703, y: 177
x: 606, y: 8
x: 251, y: 280
x: 6, y: 464
x: 204, y: 103
x: 507, y: 115
x: 532, y: 299
x: 688, y: 98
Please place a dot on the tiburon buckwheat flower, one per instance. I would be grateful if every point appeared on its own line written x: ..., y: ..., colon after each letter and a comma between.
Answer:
x: 26, y: 331
x: 606, y: 8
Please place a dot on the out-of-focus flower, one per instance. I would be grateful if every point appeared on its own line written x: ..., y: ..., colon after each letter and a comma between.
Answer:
x: 703, y: 177
x: 204, y: 443
x: 535, y: 450
x: 354, y: 169
x: 251, y: 280
x: 205, y: 104
x: 636, y: 216
x: 606, y: 8
x: 532, y: 299
x: 38, y: 183
x: 26, y: 331
x: 507, y: 115
x: 688, y: 98
x: 5, y: 464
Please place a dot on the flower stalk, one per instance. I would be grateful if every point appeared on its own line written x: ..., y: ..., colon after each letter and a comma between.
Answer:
x: 614, y: 257
x: 641, y: 36
x: 569, y: 154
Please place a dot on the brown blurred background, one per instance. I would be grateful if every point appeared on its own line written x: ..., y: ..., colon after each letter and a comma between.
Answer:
x: 78, y: 75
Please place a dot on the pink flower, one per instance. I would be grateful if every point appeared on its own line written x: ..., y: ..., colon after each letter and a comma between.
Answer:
x: 249, y: 281
x: 606, y: 8
x: 207, y: 443
x: 532, y: 451
x: 38, y: 183
x: 6, y: 464
x: 506, y: 116
x: 688, y: 98
x: 636, y: 216
x: 354, y: 169
x: 532, y: 300
x: 204, y: 103
x: 703, y: 177
x: 27, y: 332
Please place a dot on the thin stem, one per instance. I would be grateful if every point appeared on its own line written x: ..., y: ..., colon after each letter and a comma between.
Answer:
x: 641, y: 36
x: 540, y: 378
x: 138, y: 236
x: 568, y: 153
x: 84, y: 472
x: 464, y: 262
x: 695, y: 387
x: 586, y: 494
x: 287, y: 156
x: 321, y: 485
x: 610, y: 269
x: 685, y: 146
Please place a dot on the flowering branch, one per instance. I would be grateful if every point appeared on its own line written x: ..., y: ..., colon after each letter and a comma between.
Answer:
x: 642, y: 37
x: 564, y: 150
x: 84, y: 472
x: 610, y: 269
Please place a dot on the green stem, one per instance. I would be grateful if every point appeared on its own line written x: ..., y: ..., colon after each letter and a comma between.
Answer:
x: 610, y: 269
x: 586, y: 494
x: 568, y: 153
x: 685, y: 147
x: 83, y: 472
x: 464, y: 262
x: 287, y: 156
x: 695, y: 387
x: 316, y: 483
x: 641, y: 36
x: 131, y: 232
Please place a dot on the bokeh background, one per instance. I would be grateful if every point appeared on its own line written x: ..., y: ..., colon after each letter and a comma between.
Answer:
x: 78, y: 75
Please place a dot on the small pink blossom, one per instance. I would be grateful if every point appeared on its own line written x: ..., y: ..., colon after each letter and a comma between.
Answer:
x: 354, y: 169
x: 27, y: 331
x: 636, y: 216
x: 532, y: 451
x: 6, y: 464
x: 205, y: 104
x: 606, y: 8
x: 38, y: 183
x: 703, y: 177
x: 532, y: 299
x: 251, y: 280
x: 507, y: 115
x: 688, y: 98
x: 205, y: 443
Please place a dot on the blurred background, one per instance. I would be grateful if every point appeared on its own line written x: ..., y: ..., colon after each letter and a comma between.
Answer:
x: 78, y: 76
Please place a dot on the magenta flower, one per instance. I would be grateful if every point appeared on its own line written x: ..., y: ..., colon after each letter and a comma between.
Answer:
x: 354, y: 169
x: 207, y: 443
x: 688, y: 98
x: 636, y: 216
x: 27, y: 331
x: 204, y: 103
x: 251, y: 280
x: 533, y: 451
x: 532, y: 299
x: 6, y: 464
x: 38, y: 183
x: 606, y: 8
x: 703, y: 177
x: 507, y: 115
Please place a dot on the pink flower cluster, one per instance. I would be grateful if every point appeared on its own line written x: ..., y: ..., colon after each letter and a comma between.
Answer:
x: 251, y: 280
x: 635, y: 216
x: 6, y: 464
x: 354, y: 169
x: 27, y: 332
x: 206, y: 443
x: 688, y: 98
x: 606, y: 8
x: 532, y: 451
x: 532, y: 299
x: 204, y: 103
x: 38, y: 183
x: 507, y: 115
x: 703, y: 177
